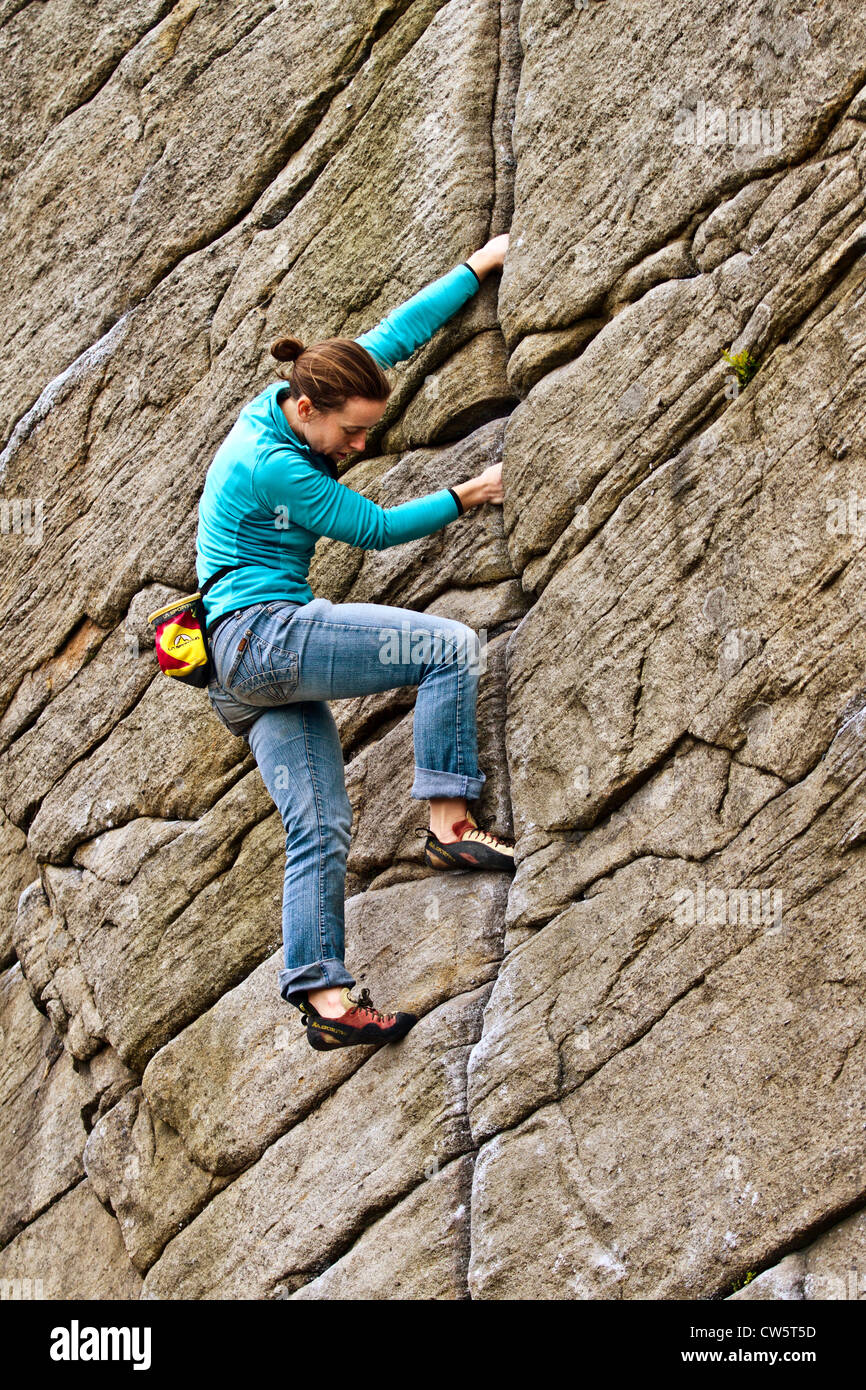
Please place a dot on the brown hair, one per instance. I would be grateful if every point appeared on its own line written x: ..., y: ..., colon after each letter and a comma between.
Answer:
x: 331, y: 371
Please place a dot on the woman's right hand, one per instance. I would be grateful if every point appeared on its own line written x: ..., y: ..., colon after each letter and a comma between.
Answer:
x: 486, y: 487
x: 490, y: 482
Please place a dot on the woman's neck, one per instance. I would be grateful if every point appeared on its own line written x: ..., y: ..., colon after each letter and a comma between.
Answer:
x: 289, y: 409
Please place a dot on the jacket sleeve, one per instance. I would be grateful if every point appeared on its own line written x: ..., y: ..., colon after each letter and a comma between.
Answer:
x: 294, y: 491
x: 414, y: 322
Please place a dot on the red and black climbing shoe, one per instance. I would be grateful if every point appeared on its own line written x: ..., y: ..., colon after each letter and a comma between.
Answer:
x: 360, y: 1022
x: 474, y: 849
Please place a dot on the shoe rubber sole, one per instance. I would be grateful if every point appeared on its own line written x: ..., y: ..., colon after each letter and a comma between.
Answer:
x: 439, y: 856
x: 324, y: 1040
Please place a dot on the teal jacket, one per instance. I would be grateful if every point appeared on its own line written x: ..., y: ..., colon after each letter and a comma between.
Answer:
x: 268, y: 496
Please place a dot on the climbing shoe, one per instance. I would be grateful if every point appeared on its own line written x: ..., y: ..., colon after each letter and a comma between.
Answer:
x: 475, y: 848
x: 360, y: 1022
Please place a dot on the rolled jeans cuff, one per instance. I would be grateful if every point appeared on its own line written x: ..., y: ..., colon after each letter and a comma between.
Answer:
x: 319, y: 974
x: 431, y: 782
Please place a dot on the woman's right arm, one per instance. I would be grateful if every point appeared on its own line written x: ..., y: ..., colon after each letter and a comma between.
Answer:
x: 487, y: 487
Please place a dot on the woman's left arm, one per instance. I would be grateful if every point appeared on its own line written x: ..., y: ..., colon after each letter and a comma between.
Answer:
x: 415, y: 321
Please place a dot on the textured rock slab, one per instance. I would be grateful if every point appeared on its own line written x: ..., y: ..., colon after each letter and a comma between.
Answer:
x: 139, y: 170
x: 50, y: 79
x: 417, y: 1250
x: 135, y: 419
x: 24, y: 702
x: 126, y: 778
x: 75, y: 1250
x: 75, y: 721
x: 610, y: 966
x: 244, y: 1073
x: 470, y: 388
x: 323, y: 268
x: 483, y: 608
x: 694, y: 805
x: 54, y: 975
x: 493, y: 808
x: 158, y: 948
x: 404, y: 1109
x: 17, y: 870
x: 748, y: 1115
x: 139, y: 1168
x: 609, y: 1177
x: 602, y: 193
x: 651, y: 380
x: 42, y: 1131
x: 107, y: 1079
x: 716, y: 600
x: 832, y: 1267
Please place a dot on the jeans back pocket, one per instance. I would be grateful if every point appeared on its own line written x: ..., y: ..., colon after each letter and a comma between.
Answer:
x: 261, y: 673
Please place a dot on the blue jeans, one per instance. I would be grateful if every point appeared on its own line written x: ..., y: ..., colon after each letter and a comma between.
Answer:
x: 276, y: 665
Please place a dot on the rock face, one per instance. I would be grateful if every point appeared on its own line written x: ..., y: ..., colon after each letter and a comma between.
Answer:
x: 639, y: 1067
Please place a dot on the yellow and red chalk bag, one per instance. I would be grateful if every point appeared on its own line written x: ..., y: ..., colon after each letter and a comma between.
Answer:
x: 181, y: 640
x: 182, y: 647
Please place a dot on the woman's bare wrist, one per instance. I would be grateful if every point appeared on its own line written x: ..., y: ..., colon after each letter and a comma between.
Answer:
x: 468, y: 493
x: 480, y: 262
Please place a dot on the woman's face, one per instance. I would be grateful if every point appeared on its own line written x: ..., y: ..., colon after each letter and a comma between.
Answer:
x: 339, y: 433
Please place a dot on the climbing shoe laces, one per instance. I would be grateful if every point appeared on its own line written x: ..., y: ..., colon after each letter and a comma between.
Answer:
x: 365, y: 1003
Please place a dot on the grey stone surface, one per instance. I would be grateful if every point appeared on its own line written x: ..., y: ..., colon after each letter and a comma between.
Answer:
x: 418, y: 1249
x: 17, y: 871
x: 638, y: 1070
x: 45, y: 1108
x: 72, y: 1251
x: 140, y: 1171
x: 831, y: 1267
x: 243, y: 1073
x: 401, y: 1112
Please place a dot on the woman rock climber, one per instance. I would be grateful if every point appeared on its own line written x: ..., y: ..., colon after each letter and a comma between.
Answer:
x: 280, y: 655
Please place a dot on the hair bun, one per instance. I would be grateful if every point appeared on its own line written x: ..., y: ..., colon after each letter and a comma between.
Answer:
x: 286, y: 349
